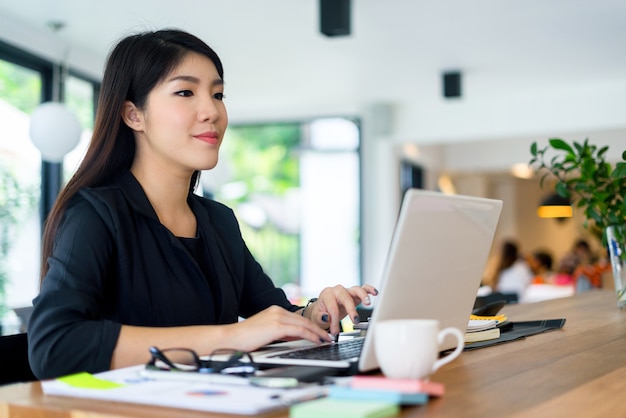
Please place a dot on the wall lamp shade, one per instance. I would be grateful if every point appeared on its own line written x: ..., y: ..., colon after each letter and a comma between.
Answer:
x: 54, y: 130
x: 555, y: 206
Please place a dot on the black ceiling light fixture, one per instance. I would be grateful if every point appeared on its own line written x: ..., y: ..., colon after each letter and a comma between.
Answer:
x: 335, y: 17
x: 555, y: 206
x: 451, y: 84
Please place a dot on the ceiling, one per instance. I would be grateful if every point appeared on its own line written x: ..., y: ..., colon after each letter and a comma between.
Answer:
x: 278, y: 65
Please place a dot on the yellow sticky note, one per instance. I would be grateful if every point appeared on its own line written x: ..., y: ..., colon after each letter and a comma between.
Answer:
x: 347, y: 325
x: 86, y: 380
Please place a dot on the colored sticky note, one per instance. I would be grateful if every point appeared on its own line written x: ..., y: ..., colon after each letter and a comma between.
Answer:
x: 341, y: 392
x: 400, y: 385
x: 86, y: 380
x: 341, y: 408
x: 347, y: 325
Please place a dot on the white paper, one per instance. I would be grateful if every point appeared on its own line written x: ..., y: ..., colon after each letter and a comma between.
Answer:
x: 202, y: 396
x: 480, y: 324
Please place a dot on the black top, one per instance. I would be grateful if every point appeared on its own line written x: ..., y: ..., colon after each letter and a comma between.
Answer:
x: 114, y: 263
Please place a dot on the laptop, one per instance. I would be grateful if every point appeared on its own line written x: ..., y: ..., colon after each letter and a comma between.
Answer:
x: 433, y: 270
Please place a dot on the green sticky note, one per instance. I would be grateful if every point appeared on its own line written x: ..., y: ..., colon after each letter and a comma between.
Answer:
x: 329, y: 407
x: 86, y: 380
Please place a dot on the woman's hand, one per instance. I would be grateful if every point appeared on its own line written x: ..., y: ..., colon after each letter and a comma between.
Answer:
x: 334, y: 303
x: 272, y: 324
x: 321, y: 317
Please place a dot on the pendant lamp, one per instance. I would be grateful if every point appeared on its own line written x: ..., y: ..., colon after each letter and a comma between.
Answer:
x: 54, y: 130
x: 555, y: 206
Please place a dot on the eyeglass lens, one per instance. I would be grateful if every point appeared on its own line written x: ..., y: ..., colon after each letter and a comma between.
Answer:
x: 232, y: 362
x: 178, y: 358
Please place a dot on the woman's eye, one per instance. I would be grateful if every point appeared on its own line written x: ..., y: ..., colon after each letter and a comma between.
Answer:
x: 185, y: 93
x: 219, y: 96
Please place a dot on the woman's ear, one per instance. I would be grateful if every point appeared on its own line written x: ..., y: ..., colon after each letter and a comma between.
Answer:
x: 132, y: 116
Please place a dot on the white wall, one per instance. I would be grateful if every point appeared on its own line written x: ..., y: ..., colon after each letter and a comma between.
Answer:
x: 380, y: 189
x: 471, y: 135
x: 541, y: 112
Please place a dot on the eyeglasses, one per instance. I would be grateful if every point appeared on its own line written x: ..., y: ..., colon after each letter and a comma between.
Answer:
x: 223, y: 361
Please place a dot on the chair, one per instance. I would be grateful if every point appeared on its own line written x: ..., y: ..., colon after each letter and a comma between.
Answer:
x: 14, y: 365
x: 23, y: 314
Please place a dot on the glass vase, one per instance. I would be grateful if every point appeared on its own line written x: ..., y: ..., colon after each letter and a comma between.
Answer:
x: 616, y: 242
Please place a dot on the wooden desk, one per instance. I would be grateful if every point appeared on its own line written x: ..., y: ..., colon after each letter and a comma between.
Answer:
x: 579, y: 370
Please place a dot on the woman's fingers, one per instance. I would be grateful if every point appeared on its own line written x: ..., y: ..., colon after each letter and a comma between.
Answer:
x: 334, y: 303
x: 275, y: 323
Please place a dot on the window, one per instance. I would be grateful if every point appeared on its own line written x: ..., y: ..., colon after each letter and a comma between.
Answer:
x: 20, y: 175
x: 79, y: 97
x: 25, y: 82
x: 295, y: 189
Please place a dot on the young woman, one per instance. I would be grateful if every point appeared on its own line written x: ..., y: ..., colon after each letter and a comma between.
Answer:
x: 513, y: 275
x: 132, y: 258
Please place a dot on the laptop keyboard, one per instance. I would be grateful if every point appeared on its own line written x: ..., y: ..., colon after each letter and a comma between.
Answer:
x: 342, y: 350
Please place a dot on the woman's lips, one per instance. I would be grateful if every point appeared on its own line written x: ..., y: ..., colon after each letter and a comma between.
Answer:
x: 208, y: 137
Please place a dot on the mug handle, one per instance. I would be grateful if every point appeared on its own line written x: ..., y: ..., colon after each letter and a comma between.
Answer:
x: 457, y: 351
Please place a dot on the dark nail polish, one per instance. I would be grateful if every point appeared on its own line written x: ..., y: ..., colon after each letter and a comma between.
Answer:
x: 325, y: 318
x: 357, y: 319
x: 322, y: 340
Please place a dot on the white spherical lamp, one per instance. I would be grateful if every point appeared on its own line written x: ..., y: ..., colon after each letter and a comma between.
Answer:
x: 54, y: 130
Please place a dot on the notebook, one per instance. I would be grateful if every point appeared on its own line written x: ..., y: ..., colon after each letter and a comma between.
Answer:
x: 433, y: 270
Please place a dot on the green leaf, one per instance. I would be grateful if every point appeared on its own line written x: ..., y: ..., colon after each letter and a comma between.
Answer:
x: 543, y: 177
x: 533, y: 149
x: 595, y: 216
x: 583, y: 174
x: 605, y: 169
x: 620, y: 171
x: 555, y: 160
x: 587, y: 168
x: 559, y: 144
x: 578, y: 147
x: 570, y: 158
x: 612, y: 219
x: 562, y: 189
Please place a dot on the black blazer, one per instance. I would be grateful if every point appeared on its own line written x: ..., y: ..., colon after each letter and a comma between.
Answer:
x: 114, y: 263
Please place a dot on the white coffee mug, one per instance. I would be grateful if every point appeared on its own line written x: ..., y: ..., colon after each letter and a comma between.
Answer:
x: 409, y: 348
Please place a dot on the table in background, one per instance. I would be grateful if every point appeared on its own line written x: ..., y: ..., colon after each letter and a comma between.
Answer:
x: 579, y: 370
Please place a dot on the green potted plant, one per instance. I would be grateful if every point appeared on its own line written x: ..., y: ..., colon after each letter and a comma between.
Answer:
x: 593, y: 184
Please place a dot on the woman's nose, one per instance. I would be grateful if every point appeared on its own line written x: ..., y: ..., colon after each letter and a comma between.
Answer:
x: 208, y: 110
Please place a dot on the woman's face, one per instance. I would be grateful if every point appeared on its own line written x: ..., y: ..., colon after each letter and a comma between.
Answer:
x: 184, y: 120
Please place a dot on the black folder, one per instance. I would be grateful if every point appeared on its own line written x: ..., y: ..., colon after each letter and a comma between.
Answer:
x: 518, y: 330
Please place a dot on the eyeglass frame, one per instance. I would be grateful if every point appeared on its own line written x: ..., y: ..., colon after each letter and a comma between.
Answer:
x: 205, y: 366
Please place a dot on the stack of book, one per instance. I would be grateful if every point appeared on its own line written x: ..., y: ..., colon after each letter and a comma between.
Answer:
x: 483, y: 328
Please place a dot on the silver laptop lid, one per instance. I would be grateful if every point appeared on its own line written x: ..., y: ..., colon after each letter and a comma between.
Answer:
x: 435, y: 262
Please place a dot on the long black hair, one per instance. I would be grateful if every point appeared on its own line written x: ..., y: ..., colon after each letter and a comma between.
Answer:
x: 134, y: 67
